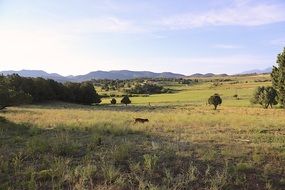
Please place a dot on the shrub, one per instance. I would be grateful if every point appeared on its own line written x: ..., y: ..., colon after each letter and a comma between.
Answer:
x: 113, y: 101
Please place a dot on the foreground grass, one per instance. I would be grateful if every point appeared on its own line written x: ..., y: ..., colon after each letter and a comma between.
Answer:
x: 182, y: 147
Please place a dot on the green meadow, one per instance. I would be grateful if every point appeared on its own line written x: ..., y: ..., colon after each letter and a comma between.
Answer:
x: 199, y: 94
x: 185, y: 145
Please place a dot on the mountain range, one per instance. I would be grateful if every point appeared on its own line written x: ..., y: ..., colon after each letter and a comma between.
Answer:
x: 115, y: 74
x: 258, y: 71
x: 118, y: 74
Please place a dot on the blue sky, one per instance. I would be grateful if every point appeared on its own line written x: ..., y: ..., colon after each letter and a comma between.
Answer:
x: 184, y: 36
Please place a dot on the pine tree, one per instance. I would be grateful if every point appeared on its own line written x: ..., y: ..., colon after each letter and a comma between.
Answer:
x: 265, y: 96
x: 278, y: 78
x: 126, y: 100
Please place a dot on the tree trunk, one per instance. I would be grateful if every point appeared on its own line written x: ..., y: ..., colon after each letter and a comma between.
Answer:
x: 266, y: 106
x: 215, y: 107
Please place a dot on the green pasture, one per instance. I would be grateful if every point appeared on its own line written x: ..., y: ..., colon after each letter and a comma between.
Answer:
x: 199, y: 94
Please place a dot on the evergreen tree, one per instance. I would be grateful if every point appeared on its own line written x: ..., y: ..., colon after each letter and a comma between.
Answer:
x: 88, y: 94
x: 126, y: 100
x: 278, y: 78
x: 265, y: 96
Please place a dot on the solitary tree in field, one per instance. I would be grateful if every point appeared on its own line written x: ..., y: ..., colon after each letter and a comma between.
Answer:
x: 278, y: 78
x: 215, y: 100
x: 265, y: 96
x: 126, y: 100
x: 113, y: 101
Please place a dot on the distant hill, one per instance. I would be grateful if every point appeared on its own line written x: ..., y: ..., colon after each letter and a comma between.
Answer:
x: 199, y: 75
x: 27, y: 73
x: 258, y: 71
x: 119, y: 74
x: 36, y: 73
x: 125, y: 74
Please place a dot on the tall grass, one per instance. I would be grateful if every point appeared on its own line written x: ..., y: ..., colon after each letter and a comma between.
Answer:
x: 95, y: 147
x: 184, y: 146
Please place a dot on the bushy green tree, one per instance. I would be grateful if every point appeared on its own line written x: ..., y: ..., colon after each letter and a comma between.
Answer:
x: 88, y: 94
x: 11, y: 97
x: 42, y: 90
x: 39, y: 88
x: 113, y: 101
x: 278, y: 78
x: 82, y: 93
x: 215, y: 100
x: 265, y: 96
x: 126, y: 100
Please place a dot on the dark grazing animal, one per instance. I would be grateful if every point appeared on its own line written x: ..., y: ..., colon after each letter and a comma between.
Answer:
x: 141, y: 120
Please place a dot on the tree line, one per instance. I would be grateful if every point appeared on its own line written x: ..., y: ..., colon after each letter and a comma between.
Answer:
x: 148, y: 88
x: 15, y: 90
x: 137, y: 86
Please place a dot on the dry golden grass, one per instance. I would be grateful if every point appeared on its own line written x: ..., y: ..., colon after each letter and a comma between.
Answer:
x: 231, y: 148
x: 186, y: 145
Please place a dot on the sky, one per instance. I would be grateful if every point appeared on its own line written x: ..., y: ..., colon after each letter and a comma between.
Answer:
x: 72, y: 37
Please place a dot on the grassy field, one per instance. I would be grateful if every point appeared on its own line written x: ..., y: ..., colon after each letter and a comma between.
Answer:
x: 186, y: 144
x: 199, y: 94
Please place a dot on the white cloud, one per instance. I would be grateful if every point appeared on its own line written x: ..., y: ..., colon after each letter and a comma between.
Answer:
x: 241, y: 14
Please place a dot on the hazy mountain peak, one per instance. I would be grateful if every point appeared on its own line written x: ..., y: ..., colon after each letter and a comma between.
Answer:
x: 114, y: 74
x: 258, y: 71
